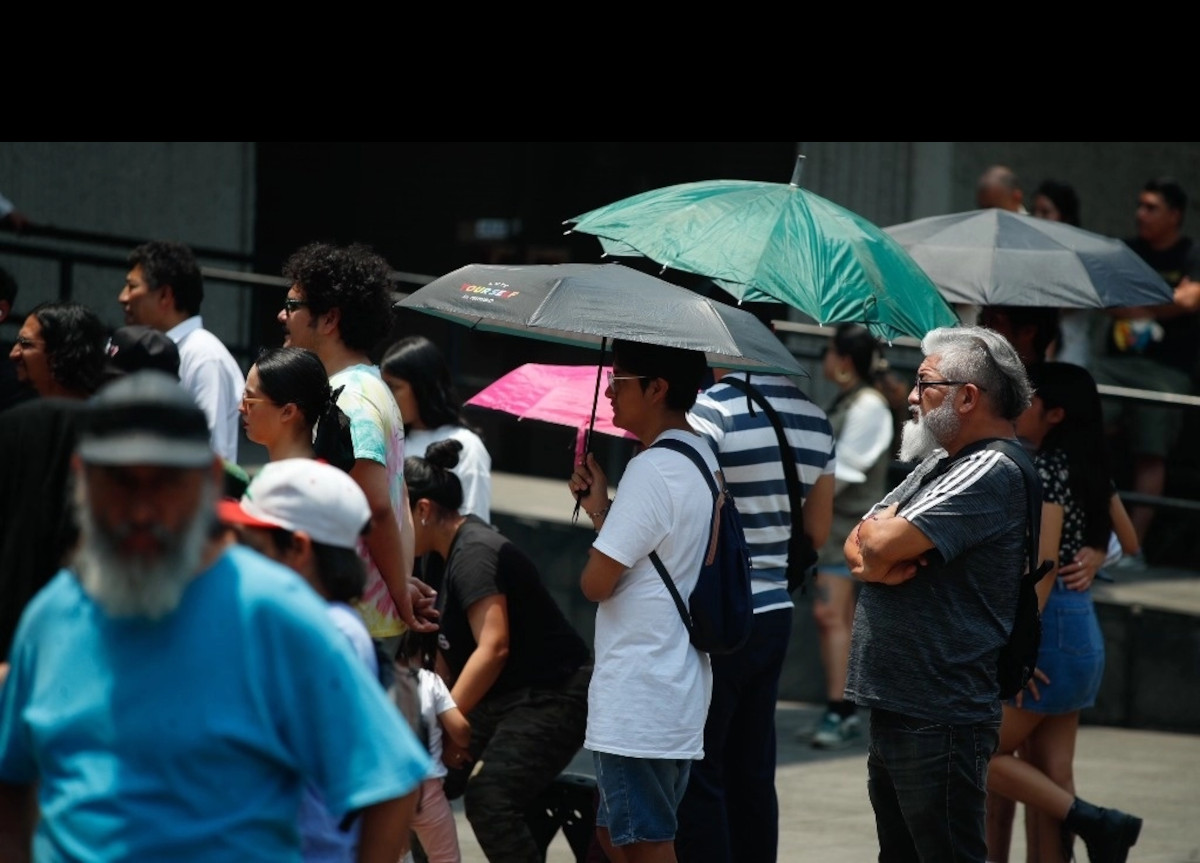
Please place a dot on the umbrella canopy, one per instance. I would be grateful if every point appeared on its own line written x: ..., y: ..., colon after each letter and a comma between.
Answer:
x: 592, y: 304
x: 559, y: 394
x: 776, y: 242
x: 999, y: 258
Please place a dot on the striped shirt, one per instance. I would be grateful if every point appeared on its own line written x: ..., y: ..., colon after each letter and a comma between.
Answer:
x: 748, y: 451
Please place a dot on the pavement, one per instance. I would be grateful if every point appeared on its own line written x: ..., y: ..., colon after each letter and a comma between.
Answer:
x: 825, y: 816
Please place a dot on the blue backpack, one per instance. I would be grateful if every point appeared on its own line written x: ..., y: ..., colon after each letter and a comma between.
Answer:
x: 719, y: 613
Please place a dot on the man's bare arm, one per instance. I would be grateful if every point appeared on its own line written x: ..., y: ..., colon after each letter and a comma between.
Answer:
x: 886, y: 548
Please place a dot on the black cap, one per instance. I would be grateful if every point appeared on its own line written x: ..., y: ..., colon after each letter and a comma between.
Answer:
x: 145, y: 418
x: 137, y: 347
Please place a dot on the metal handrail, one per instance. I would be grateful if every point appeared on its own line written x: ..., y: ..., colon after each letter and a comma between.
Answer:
x: 1105, y: 390
x: 69, y: 258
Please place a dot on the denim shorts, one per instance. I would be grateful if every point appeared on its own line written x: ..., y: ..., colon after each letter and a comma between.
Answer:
x: 1072, y: 654
x: 639, y: 796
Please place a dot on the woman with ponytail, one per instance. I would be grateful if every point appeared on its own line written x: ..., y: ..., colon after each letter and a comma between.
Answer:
x: 289, y: 408
x: 862, y: 426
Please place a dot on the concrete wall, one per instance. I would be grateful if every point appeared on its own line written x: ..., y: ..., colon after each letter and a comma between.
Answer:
x: 199, y: 192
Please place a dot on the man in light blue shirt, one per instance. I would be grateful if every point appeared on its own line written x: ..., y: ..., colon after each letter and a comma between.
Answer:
x: 169, y: 695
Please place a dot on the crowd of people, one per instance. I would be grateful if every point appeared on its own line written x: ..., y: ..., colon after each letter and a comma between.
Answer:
x: 325, y: 650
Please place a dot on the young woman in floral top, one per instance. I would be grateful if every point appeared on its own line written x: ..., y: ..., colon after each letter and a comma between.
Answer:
x: 1078, y: 506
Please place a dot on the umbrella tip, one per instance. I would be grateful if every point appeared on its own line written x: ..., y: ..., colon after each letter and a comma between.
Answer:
x: 798, y: 170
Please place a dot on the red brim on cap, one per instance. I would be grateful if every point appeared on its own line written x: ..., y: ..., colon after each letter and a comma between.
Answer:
x: 230, y: 511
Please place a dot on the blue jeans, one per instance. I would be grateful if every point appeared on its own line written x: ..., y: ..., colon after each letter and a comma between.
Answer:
x: 730, y: 810
x: 928, y: 786
x: 639, y: 796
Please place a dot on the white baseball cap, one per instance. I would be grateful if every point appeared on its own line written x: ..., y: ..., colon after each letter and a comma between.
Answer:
x: 303, y: 494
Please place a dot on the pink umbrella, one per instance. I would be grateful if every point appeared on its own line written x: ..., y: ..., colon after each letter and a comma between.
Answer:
x: 564, y: 395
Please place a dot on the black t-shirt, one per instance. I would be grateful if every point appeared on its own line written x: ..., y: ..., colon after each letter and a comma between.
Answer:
x: 37, y: 524
x: 544, y: 649
x: 12, y: 391
x: 1179, y: 345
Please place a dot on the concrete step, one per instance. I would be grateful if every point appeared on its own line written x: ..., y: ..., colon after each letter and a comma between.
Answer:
x: 1150, y: 618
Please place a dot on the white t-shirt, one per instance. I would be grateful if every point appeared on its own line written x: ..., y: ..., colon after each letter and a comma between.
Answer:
x: 210, y: 373
x: 474, y: 468
x: 351, y: 624
x: 435, y: 700
x: 650, y: 689
x: 866, y: 434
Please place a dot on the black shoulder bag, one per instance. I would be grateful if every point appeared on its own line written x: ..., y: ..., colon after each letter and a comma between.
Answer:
x: 1018, y: 655
x: 802, y: 557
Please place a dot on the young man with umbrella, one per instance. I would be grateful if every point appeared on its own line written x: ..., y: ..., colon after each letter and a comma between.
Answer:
x: 650, y: 689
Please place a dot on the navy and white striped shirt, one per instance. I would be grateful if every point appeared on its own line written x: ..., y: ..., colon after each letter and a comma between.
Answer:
x: 748, y: 451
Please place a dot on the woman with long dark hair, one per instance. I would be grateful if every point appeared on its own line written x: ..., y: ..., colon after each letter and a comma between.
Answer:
x: 419, y: 378
x: 1062, y: 423
x: 516, y: 667
x: 289, y: 408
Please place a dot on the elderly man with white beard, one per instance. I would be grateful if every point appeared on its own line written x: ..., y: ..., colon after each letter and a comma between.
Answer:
x: 940, y: 559
x: 169, y: 694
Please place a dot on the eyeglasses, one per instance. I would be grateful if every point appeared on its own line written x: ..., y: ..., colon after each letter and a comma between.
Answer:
x: 612, y: 379
x: 26, y: 344
x: 291, y: 304
x: 921, y: 385
x: 252, y: 400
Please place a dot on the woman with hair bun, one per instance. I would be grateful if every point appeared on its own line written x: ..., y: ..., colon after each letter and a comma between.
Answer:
x: 289, y: 408
x: 516, y: 667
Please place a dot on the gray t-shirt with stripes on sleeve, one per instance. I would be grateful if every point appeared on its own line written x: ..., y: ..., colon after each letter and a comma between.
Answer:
x: 927, y: 648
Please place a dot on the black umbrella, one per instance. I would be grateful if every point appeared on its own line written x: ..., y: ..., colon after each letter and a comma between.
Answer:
x: 591, y: 304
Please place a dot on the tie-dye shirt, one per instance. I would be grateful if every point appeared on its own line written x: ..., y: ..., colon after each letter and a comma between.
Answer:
x: 378, y: 434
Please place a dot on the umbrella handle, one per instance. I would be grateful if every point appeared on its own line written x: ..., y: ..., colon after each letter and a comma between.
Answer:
x: 581, y: 435
x: 583, y: 440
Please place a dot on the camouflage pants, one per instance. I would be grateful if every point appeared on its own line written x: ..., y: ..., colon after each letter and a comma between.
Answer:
x: 520, y: 741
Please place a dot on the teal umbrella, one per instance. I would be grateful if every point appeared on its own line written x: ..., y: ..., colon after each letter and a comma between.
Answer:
x: 776, y: 242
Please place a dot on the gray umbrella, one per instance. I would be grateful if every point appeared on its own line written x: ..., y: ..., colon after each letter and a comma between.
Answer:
x: 997, y: 258
x: 591, y: 304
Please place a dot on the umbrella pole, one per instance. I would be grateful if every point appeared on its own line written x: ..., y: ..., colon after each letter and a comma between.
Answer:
x: 587, y: 440
x: 797, y: 171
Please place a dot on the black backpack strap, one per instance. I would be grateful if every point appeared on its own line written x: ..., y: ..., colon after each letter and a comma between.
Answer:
x: 786, y: 456
x: 1033, y: 495
x: 690, y: 452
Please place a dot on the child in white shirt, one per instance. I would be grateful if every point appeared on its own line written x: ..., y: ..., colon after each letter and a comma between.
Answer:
x: 433, y: 824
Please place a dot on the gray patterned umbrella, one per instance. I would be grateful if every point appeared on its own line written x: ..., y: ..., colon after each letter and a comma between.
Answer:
x: 997, y: 258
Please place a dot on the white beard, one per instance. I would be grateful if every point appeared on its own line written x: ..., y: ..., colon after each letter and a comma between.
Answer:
x: 127, y: 585
x: 924, y: 433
